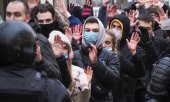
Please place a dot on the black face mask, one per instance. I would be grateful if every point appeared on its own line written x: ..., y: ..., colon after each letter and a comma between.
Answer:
x: 156, y: 26
x: 47, y: 28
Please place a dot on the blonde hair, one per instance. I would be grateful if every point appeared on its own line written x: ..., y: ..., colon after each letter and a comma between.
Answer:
x: 114, y: 40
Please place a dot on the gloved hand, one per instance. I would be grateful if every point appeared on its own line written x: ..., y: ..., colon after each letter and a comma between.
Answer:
x: 87, y: 10
x: 70, y: 7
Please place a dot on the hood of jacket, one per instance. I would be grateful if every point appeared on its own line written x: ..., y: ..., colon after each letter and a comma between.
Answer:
x: 124, y: 22
x: 101, y: 33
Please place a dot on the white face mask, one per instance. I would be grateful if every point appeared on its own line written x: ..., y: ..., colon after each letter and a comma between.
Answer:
x: 117, y: 33
x: 109, y: 48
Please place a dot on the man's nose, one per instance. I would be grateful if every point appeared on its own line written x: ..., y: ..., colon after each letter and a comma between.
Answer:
x: 12, y: 17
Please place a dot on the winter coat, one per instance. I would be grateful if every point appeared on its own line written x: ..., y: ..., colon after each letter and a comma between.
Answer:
x: 107, y: 67
x: 48, y: 62
x: 134, y: 68
x: 105, y: 70
x: 128, y: 80
x: 24, y: 79
x: 158, y: 89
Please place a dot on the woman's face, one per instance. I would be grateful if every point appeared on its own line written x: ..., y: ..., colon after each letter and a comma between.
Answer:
x: 107, y: 41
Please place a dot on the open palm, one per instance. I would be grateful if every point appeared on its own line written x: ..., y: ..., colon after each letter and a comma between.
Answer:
x: 132, y: 44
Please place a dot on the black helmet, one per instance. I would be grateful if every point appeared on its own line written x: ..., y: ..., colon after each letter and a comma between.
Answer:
x: 17, y: 43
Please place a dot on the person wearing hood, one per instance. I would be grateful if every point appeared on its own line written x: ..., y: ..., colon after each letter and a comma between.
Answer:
x: 134, y: 68
x: 105, y: 64
x: 120, y: 26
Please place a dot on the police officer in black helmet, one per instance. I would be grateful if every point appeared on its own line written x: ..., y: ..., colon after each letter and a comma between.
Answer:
x: 19, y: 82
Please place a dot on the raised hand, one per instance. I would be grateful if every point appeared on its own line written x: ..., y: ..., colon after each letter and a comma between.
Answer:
x: 112, y: 10
x: 163, y: 16
x: 132, y: 44
x: 89, y: 73
x: 70, y: 7
x: 93, y: 53
x: 77, y: 32
x: 68, y: 33
x: 158, y: 3
x: 57, y: 46
x: 60, y: 5
x: 87, y: 9
x: 148, y: 4
x: 105, y: 2
x: 131, y: 15
x: 88, y: 3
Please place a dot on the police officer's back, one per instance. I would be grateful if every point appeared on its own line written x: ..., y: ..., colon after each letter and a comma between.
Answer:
x: 19, y: 82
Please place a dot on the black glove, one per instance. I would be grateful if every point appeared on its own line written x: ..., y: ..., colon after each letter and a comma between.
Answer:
x: 70, y: 7
x: 87, y: 10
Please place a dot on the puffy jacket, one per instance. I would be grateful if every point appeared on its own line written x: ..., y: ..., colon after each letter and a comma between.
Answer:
x: 158, y: 89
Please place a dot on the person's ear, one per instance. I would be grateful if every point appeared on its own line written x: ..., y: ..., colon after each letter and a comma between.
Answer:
x: 28, y: 18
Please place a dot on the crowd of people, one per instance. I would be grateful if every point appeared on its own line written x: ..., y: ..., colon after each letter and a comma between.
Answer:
x: 59, y: 53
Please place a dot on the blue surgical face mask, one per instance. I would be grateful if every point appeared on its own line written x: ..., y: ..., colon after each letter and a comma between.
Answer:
x: 91, y: 37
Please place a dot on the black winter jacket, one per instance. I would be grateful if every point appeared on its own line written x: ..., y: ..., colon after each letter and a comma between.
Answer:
x: 130, y: 80
x: 49, y: 63
x: 159, y: 87
x: 20, y: 80
x: 134, y: 68
x: 105, y: 73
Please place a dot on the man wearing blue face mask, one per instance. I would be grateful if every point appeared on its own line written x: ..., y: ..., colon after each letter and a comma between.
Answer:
x: 104, y: 63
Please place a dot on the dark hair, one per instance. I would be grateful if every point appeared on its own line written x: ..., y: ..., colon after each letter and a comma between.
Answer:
x: 114, y: 40
x: 147, y: 18
x: 42, y: 8
x: 154, y: 10
x: 166, y: 34
x: 91, y: 20
x: 24, y: 2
